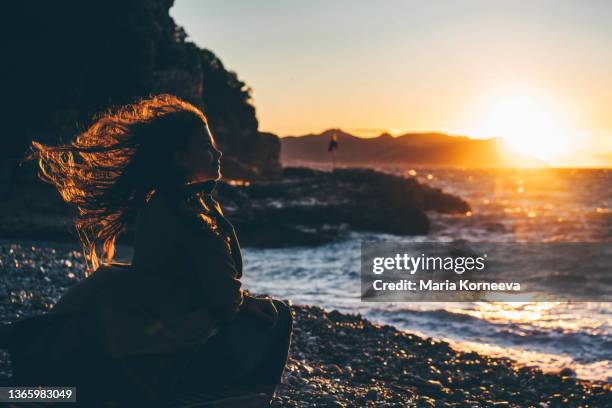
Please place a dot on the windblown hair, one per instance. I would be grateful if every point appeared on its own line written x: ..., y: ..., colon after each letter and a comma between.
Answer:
x: 109, y: 170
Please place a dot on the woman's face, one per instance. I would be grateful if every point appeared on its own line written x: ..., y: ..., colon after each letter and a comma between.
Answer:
x: 201, y: 160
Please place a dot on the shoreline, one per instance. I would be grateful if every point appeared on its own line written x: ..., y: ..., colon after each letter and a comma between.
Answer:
x: 336, y: 359
x: 354, y: 362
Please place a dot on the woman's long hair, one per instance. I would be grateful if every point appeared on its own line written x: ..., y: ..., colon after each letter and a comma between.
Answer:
x: 109, y: 170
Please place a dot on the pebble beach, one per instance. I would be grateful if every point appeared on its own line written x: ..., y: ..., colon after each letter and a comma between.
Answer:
x: 336, y: 359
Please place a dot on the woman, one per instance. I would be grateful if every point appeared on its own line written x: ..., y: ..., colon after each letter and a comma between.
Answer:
x: 176, y: 320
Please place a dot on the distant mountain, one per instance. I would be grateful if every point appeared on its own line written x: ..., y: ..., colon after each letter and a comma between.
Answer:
x: 413, y: 149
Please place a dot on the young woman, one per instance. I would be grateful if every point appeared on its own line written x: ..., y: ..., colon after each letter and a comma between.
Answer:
x: 176, y: 320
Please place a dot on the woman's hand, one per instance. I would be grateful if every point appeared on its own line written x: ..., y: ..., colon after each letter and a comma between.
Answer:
x: 261, y: 307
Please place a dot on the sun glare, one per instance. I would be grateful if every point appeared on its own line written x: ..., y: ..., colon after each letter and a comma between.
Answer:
x: 527, y: 125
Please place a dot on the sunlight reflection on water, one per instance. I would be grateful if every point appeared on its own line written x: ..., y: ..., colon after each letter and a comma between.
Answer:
x: 545, y: 205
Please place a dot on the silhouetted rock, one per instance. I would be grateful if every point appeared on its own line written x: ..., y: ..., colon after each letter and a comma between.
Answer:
x: 308, y: 206
x: 68, y: 60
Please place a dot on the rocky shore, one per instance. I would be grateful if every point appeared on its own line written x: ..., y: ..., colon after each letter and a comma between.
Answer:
x: 336, y: 360
x: 308, y: 206
x: 301, y: 207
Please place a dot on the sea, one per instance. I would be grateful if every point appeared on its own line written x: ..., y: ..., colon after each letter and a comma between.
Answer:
x: 547, y: 205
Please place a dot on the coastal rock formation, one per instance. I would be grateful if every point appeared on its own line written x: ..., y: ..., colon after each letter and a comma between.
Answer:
x: 308, y: 206
x: 69, y: 60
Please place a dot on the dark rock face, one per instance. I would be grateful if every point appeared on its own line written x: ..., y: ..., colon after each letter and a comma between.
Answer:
x: 69, y: 60
x: 309, y: 206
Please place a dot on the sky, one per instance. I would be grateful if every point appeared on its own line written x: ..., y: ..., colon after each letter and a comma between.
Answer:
x: 536, y: 73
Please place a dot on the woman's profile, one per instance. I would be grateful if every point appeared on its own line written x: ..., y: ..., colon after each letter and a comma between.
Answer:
x: 176, y: 320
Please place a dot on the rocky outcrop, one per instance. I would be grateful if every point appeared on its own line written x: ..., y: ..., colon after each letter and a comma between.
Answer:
x: 309, y: 206
x: 69, y: 60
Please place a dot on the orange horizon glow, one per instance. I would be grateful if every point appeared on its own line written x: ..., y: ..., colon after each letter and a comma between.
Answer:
x: 528, y: 124
x: 535, y: 74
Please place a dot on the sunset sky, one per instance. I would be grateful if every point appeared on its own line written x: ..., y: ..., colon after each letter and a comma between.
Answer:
x: 537, y: 73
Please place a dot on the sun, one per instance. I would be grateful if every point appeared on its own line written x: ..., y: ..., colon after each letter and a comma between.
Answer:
x: 527, y: 124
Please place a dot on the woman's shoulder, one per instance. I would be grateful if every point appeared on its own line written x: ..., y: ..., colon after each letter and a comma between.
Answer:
x: 176, y: 212
x: 156, y: 209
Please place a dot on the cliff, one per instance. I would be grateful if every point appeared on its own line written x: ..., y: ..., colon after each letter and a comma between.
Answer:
x: 71, y: 59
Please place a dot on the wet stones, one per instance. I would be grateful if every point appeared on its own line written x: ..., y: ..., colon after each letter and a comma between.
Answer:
x: 336, y: 359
